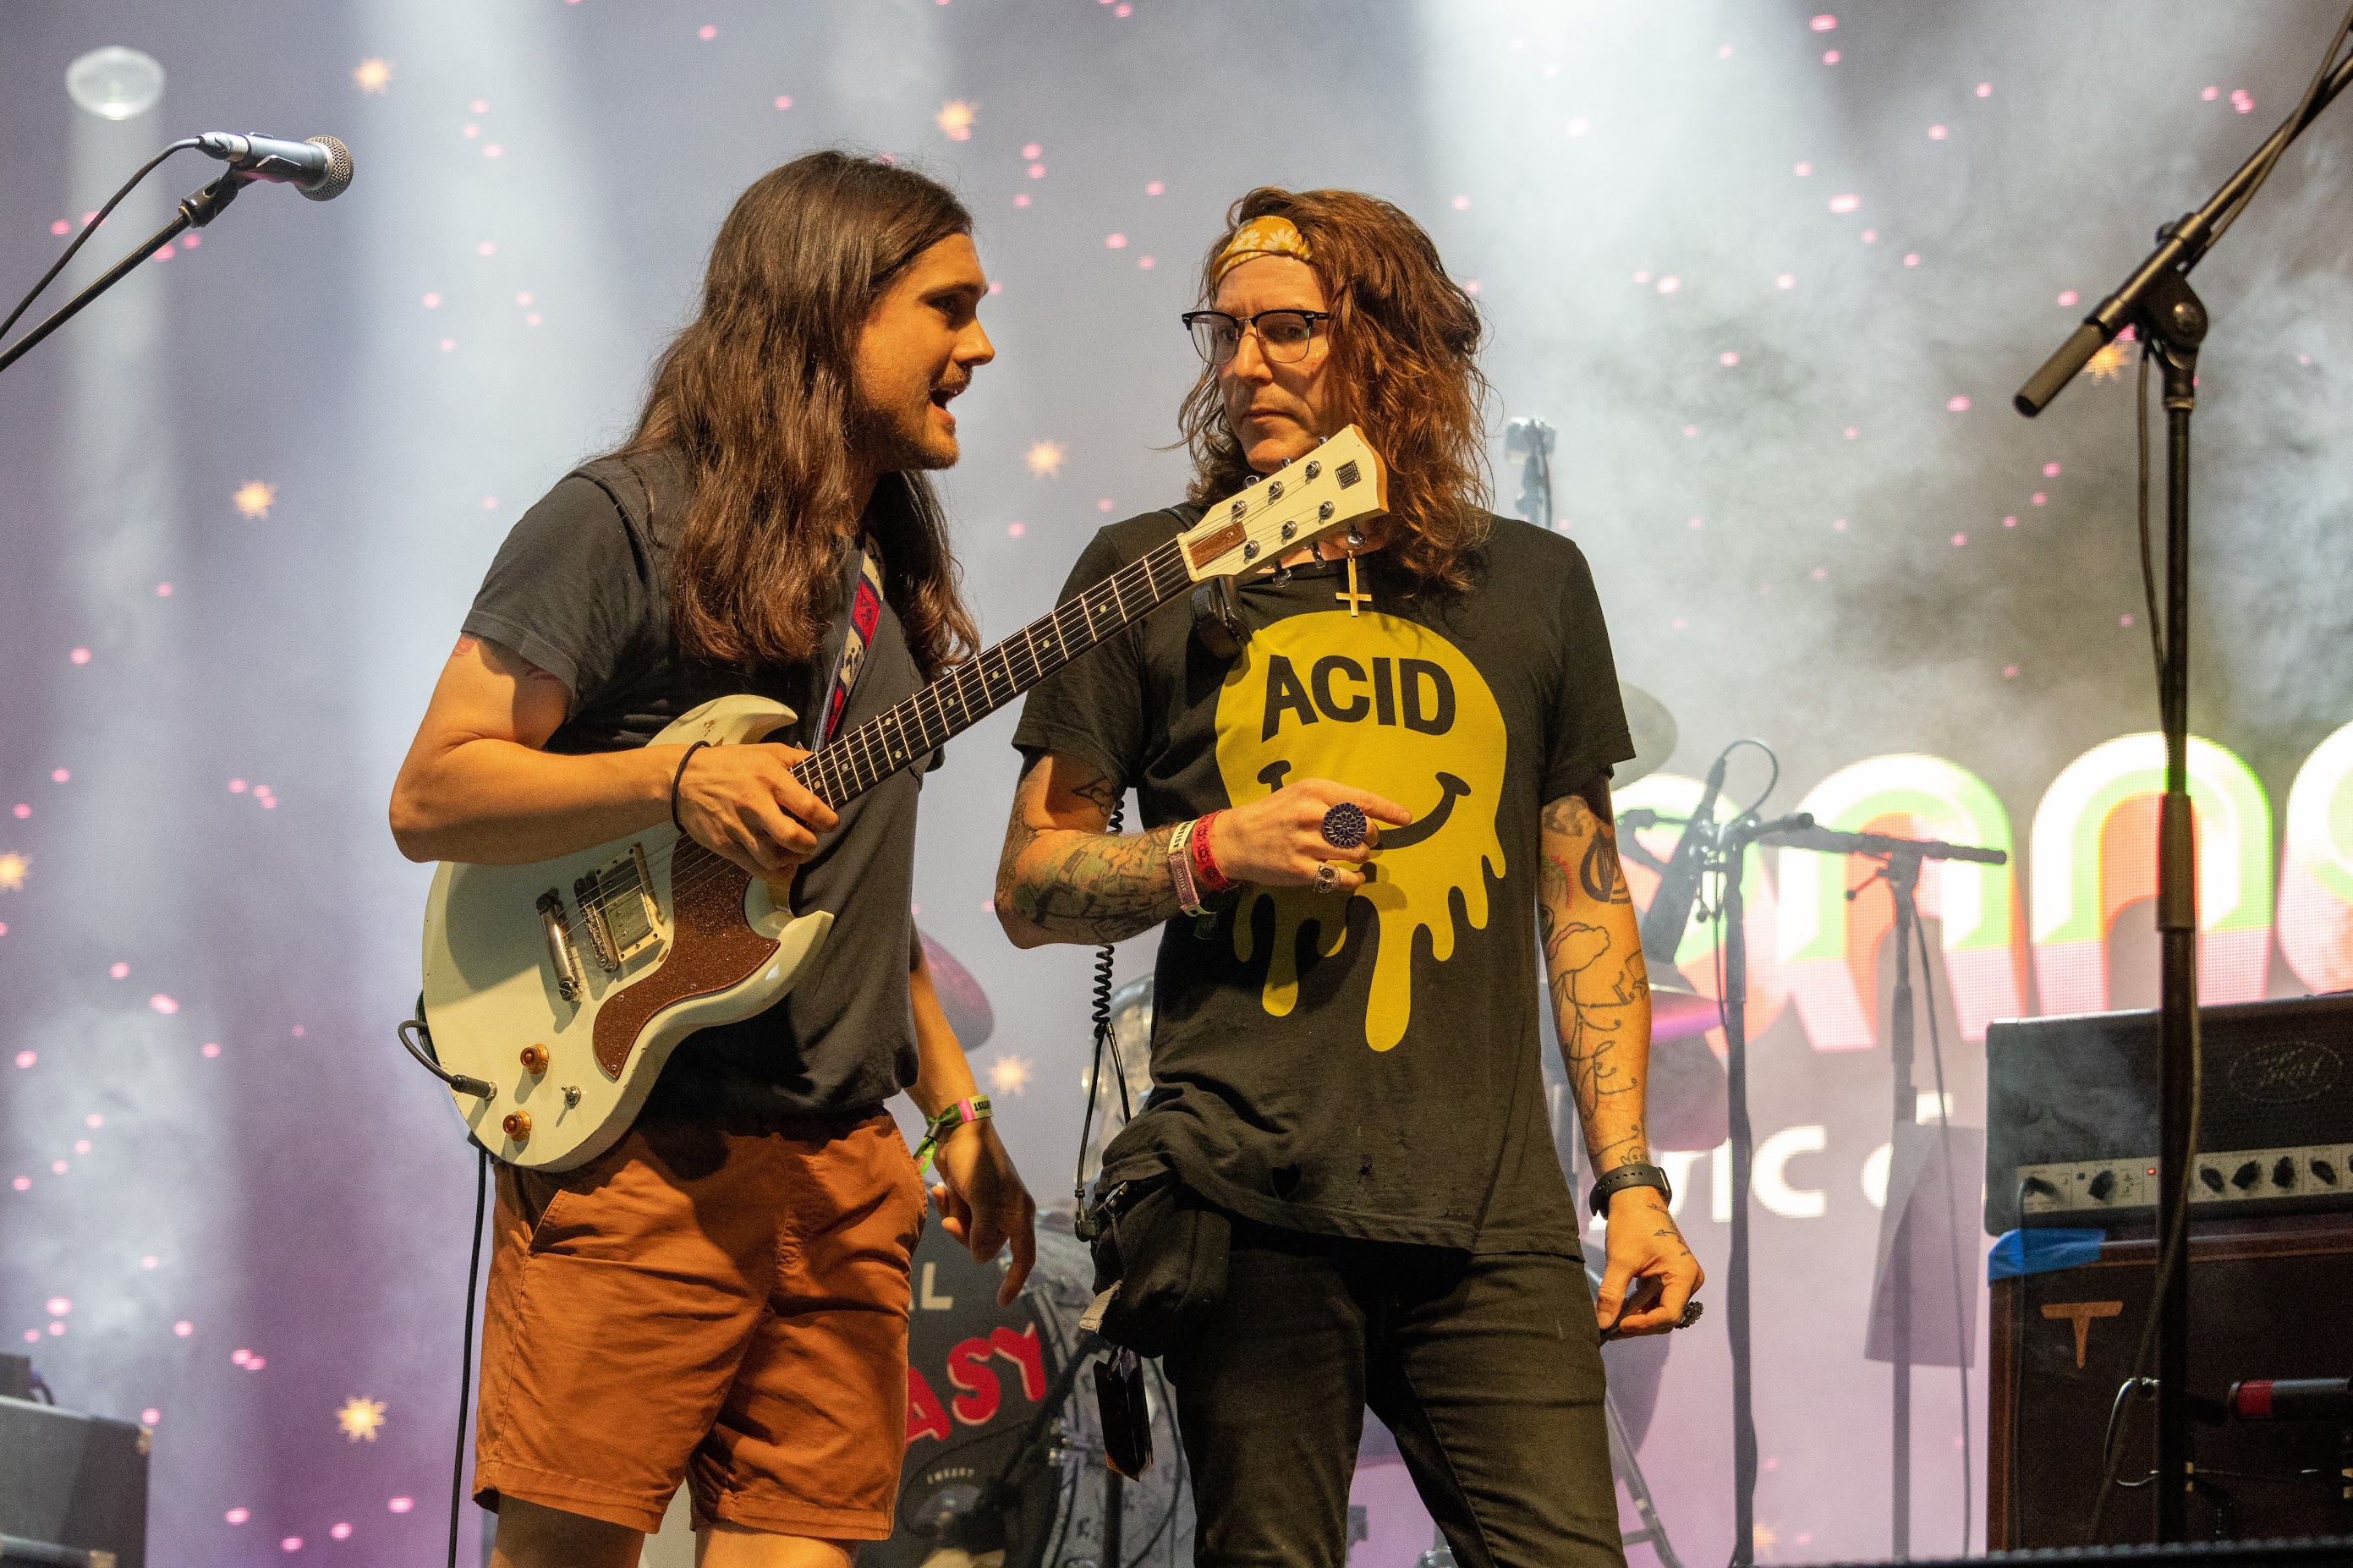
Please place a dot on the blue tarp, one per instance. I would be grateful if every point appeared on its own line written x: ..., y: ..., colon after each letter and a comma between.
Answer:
x: 2039, y: 1250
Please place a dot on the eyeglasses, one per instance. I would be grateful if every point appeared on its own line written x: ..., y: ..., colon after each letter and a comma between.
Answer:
x: 1282, y: 335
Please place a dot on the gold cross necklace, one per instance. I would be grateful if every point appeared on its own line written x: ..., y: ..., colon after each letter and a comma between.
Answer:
x: 1355, y: 600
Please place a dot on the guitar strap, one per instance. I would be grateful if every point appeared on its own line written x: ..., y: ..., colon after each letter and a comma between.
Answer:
x: 863, y: 613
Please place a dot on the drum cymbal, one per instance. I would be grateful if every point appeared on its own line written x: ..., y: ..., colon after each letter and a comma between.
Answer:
x: 1654, y: 734
x: 961, y: 997
x: 1671, y: 983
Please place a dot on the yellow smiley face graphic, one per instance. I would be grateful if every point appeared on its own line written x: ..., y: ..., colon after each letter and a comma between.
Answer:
x: 1384, y: 705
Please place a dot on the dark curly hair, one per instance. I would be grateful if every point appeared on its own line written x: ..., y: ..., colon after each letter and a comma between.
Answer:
x: 1405, y: 344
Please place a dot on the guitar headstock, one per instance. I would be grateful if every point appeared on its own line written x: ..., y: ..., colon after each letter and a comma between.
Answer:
x: 1340, y: 483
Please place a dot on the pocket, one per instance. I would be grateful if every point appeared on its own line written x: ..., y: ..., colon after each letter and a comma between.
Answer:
x: 918, y: 1192
x: 533, y: 1197
x: 1165, y: 1254
x: 547, y: 1202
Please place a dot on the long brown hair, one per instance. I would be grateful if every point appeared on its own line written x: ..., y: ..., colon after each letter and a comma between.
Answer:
x: 756, y: 395
x: 1404, y: 346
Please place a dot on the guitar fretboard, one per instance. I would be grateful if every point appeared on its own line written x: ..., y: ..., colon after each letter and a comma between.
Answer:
x: 852, y: 763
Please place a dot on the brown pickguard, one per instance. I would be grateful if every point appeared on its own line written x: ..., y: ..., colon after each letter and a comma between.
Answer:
x: 711, y: 950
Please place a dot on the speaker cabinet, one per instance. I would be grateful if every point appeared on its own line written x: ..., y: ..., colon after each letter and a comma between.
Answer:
x: 2269, y: 1302
x: 72, y: 1480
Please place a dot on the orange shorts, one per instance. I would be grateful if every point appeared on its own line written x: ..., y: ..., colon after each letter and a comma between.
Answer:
x: 722, y: 1305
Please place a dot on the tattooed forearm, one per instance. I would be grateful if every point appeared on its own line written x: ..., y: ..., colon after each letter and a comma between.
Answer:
x: 1599, y: 988
x: 1062, y: 879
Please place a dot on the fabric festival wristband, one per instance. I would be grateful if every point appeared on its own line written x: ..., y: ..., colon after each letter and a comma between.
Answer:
x: 962, y: 1112
x: 1180, y: 868
x: 679, y: 778
x: 1205, y: 874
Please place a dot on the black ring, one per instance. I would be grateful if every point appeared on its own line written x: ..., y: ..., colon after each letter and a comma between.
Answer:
x: 1691, y: 1310
x: 1344, y: 825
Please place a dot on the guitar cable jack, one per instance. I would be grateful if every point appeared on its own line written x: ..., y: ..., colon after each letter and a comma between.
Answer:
x: 418, y: 1038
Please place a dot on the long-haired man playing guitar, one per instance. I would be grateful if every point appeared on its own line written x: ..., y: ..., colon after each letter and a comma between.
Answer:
x: 1358, y: 830
x: 722, y: 1298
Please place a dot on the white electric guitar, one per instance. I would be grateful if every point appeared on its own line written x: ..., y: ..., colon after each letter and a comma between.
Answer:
x: 554, y: 992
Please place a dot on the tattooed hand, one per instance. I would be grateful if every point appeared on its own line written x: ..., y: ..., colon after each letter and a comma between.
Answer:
x: 1652, y: 1274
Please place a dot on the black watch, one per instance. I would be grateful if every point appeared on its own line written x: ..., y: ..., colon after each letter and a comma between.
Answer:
x: 1637, y: 1176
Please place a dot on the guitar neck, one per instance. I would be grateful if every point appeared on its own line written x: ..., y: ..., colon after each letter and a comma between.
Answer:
x: 851, y: 763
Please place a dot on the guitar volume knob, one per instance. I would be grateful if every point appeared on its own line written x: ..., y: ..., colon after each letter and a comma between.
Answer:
x: 517, y: 1125
x: 534, y: 1060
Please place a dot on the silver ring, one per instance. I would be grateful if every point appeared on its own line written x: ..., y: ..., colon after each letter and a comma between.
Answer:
x: 1326, y: 878
x: 1344, y: 825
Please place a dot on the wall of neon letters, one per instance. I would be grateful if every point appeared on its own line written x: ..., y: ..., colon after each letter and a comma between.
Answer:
x: 2087, y: 853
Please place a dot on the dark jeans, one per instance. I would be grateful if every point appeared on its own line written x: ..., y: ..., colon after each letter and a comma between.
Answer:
x: 1487, y: 1368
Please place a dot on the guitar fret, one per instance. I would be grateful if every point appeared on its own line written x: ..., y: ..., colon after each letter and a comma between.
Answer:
x: 858, y: 761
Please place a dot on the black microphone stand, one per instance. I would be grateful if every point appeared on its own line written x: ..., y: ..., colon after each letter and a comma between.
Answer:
x: 196, y: 212
x: 1727, y: 856
x: 1902, y: 859
x: 2170, y: 320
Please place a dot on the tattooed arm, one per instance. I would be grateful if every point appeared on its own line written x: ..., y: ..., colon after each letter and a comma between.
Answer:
x: 1061, y: 876
x: 1063, y: 879
x: 1601, y: 1004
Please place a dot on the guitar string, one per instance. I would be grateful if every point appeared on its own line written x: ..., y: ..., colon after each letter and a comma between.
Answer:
x: 867, y: 750
x: 870, y: 739
x: 865, y: 744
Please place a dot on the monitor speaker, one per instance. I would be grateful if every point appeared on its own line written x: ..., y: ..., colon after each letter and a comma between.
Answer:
x: 73, y: 1488
x: 2264, y: 1303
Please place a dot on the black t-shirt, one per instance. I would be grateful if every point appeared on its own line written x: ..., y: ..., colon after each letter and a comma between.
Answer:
x: 1359, y: 1065
x: 581, y: 589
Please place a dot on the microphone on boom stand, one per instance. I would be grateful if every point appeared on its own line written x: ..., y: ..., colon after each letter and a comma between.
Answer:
x: 1670, y: 906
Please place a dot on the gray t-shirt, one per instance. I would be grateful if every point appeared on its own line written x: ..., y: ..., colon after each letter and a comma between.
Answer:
x: 581, y: 588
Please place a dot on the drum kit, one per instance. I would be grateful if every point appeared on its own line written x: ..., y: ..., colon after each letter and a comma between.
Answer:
x: 1004, y: 1465
x: 1005, y: 1455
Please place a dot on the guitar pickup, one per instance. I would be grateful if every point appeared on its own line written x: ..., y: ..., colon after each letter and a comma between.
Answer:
x: 616, y: 905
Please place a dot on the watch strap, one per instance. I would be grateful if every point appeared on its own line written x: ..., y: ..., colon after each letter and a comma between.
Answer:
x: 1638, y: 1175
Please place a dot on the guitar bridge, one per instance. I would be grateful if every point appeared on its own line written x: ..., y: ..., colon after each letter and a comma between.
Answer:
x: 560, y: 956
x: 617, y: 904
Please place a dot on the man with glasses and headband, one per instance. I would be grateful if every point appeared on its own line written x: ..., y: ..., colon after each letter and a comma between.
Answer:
x: 1359, y: 829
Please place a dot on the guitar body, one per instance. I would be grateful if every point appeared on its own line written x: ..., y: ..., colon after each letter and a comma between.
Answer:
x: 566, y: 984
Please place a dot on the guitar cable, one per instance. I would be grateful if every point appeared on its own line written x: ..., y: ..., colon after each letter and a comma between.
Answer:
x: 466, y: 1349
x: 1083, y: 1224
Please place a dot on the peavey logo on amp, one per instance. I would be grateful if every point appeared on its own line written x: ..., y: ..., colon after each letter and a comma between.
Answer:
x: 2288, y: 1073
x: 1392, y: 706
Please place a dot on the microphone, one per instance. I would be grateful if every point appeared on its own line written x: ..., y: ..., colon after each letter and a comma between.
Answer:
x: 2291, y: 1399
x: 321, y: 168
x: 1670, y: 906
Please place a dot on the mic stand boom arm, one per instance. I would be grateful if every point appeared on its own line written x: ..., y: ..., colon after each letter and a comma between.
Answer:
x: 2157, y: 300
x: 198, y: 210
x: 2181, y: 245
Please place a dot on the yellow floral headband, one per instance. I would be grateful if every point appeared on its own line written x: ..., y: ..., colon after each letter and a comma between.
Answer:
x: 1268, y: 236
